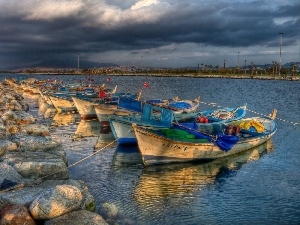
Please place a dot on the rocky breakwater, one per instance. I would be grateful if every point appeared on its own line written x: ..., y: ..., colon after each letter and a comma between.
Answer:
x: 34, y: 184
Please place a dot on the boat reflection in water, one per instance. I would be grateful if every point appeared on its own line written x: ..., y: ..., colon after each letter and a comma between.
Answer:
x: 94, y: 128
x: 88, y: 128
x: 61, y: 119
x: 127, y: 154
x: 105, y: 136
x: 158, y: 183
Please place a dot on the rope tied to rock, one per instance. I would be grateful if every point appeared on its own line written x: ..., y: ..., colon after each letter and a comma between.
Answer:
x: 79, y: 161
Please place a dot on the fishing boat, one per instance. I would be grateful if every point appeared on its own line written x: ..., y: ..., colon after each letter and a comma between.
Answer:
x: 62, y: 103
x: 152, y: 116
x: 183, y: 144
x: 182, y: 108
x: 86, y: 106
x: 122, y: 129
x: 125, y: 105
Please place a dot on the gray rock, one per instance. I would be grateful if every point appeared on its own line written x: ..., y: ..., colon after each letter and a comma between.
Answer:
x: 81, y: 217
x: 10, y: 179
x: 36, y: 165
x: 36, y: 143
x: 36, y: 130
x: 8, y: 115
x: 55, y: 202
x: 33, y: 188
x: 8, y: 172
x: 109, y: 210
x: 6, y: 145
x: 24, y: 117
x: 15, y: 214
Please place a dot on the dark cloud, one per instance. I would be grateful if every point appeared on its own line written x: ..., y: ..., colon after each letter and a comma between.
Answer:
x: 94, y: 27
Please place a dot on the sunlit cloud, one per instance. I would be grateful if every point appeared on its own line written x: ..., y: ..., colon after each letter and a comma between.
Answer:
x: 144, y: 3
x: 52, y: 9
x: 149, y: 32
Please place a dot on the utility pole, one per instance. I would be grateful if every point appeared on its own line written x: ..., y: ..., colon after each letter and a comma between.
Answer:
x: 78, y: 63
x: 280, y: 51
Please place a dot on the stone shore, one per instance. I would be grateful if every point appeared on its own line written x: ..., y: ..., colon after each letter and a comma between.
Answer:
x: 34, y: 182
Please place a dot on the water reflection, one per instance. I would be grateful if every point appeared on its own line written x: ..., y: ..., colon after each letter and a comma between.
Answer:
x: 127, y: 154
x: 88, y: 128
x: 65, y: 119
x: 105, y: 137
x: 158, y: 183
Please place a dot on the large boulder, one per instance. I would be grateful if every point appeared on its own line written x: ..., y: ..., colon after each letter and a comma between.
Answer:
x: 34, y: 188
x: 8, y: 172
x: 6, y: 145
x: 36, y: 143
x: 81, y: 217
x: 4, y: 134
x: 15, y: 214
x: 24, y: 118
x: 34, y: 165
x: 9, y: 178
x: 13, y: 105
x: 8, y: 115
x: 36, y: 130
x: 56, y: 202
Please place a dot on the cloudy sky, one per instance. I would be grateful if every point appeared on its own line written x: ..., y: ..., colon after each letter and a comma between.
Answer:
x: 156, y: 33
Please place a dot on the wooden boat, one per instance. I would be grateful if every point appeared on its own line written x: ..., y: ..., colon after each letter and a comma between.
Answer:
x: 122, y: 129
x: 86, y: 106
x: 187, y: 144
x: 126, y: 105
x: 152, y: 116
x: 182, y: 108
x: 104, y: 111
x: 62, y: 103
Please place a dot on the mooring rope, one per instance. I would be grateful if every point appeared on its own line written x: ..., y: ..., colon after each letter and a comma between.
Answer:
x: 81, y: 160
x: 37, y: 181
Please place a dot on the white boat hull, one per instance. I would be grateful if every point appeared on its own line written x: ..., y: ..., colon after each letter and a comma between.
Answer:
x: 104, y: 111
x: 156, y: 149
x: 123, y: 132
x: 62, y: 104
x: 85, y: 108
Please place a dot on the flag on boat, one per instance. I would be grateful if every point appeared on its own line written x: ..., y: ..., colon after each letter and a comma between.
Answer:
x: 146, y: 85
x: 107, y: 79
x: 101, y: 93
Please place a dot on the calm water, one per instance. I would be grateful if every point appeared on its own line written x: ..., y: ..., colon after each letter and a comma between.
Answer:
x: 260, y: 186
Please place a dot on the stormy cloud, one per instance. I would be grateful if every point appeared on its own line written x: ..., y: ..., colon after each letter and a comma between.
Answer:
x: 164, y: 33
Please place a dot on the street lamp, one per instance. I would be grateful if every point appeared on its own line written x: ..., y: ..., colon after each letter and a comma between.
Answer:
x: 78, y: 62
x: 238, y: 59
x: 280, y: 51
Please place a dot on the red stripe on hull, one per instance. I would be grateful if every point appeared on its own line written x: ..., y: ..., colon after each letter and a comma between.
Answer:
x: 88, y: 117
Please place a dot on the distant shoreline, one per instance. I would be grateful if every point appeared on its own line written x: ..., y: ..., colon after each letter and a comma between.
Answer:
x: 229, y: 76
